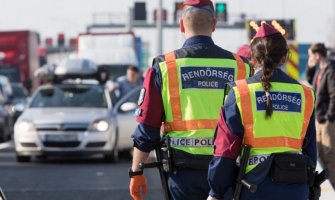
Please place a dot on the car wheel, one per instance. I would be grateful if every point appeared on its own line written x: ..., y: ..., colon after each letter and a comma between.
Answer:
x: 9, y: 136
x: 7, y: 130
x: 113, y: 156
x: 22, y: 159
x: 3, y: 136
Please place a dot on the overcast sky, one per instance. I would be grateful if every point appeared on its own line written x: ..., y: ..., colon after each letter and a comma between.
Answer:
x: 50, y: 17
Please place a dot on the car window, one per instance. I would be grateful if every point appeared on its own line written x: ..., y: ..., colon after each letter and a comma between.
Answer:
x: 11, y: 72
x: 134, y: 97
x: 129, y: 102
x: 70, y: 97
x: 19, y: 92
x: 116, y: 96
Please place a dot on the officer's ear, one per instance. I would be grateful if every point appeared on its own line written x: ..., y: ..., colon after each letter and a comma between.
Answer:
x: 317, y: 56
x: 181, y: 25
x: 284, y: 59
x: 214, y: 24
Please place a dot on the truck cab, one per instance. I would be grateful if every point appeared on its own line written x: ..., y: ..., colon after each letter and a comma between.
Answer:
x: 19, y: 56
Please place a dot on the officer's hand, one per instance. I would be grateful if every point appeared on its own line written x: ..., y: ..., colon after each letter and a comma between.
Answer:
x: 138, y: 183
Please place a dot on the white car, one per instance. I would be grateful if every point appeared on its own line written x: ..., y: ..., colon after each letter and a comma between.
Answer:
x: 75, y: 118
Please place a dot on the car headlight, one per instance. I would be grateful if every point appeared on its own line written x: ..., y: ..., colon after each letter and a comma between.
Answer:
x: 26, y: 125
x: 100, y: 125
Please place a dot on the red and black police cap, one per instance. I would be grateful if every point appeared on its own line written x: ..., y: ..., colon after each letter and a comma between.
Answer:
x: 197, y: 3
x: 265, y: 30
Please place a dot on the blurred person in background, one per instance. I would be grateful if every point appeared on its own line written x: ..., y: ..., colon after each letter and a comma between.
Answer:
x: 321, y: 74
x: 45, y: 73
x: 245, y: 52
x: 126, y: 83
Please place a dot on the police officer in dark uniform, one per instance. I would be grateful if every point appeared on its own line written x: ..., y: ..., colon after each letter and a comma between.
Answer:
x: 274, y: 114
x: 184, y: 91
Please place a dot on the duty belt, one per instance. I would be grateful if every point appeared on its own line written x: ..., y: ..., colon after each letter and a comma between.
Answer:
x: 191, y: 142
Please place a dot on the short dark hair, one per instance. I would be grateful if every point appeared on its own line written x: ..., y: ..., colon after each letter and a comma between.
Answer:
x: 199, y: 19
x: 319, y: 48
x: 133, y: 68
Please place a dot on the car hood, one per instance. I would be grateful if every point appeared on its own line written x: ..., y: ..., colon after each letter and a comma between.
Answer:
x: 64, y: 115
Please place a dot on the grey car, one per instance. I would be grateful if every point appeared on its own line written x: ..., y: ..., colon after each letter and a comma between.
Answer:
x: 75, y: 118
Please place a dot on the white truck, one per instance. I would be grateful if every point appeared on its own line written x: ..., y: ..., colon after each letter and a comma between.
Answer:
x: 113, y: 51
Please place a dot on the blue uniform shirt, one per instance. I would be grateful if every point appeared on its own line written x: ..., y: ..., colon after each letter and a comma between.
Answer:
x: 222, y: 170
x: 124, y: 85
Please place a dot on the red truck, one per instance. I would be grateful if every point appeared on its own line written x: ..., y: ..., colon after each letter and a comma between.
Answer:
x: 19, y: 56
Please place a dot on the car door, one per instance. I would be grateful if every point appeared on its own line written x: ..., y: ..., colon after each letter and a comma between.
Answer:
x: 126, y: 120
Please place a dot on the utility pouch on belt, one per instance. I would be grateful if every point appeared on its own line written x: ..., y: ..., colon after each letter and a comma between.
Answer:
x: 290, y: 168
x: 165, y: 154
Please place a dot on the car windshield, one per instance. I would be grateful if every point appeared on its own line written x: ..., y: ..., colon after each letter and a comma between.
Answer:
x: 70, y: 97
x: 18, y: 92
x: 115, y: 71
x: 11, y: 72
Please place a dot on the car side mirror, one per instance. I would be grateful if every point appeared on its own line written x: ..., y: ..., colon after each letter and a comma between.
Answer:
x: 128, y: 106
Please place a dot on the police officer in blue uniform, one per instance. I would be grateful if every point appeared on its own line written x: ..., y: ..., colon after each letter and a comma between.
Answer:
x: 270, y: 111
x: 204, y: 70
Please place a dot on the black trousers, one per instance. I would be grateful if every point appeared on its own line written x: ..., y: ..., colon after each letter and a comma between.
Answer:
x: 190, y: 184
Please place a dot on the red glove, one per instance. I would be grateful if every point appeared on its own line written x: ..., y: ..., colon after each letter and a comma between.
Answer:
x: 136, y: 184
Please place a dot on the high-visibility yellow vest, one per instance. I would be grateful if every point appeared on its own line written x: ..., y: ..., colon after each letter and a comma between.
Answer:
x: 192, y: 92
x: 286, y: 129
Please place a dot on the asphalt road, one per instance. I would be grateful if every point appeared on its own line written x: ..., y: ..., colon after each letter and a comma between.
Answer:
x: 65, y: 178
x: 69, y: 178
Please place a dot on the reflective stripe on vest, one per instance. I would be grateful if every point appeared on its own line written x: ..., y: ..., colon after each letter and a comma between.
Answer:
x: 265, y: 142
x: 192, y: 93
x: 257, y: 159
x: 178, y: 123
x: 241, y: 71
x: 191, y: 142
x: 276, y: 140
